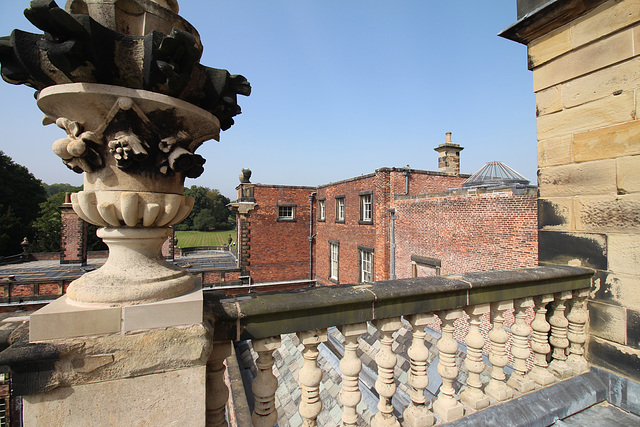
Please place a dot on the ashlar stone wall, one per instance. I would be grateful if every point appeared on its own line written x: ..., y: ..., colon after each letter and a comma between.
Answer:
x: 586, y: 76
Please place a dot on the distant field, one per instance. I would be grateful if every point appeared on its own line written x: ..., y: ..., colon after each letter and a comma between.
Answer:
x: 187, y: 239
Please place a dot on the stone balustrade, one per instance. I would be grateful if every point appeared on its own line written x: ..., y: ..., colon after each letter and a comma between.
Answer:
x: 547, y: 303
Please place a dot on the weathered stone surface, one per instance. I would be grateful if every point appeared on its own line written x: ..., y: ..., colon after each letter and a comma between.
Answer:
x: 633, y: 328
x: 614, y: 357
x: 119, y: 356
x: 597, y: 114
x: 605, y: 19
x: 598, y: 177
x: 555, y: 151
x: 624, y: 253
x: 586, y: 59
x: 549, y: 46
x: 608, y: 321
x: 608, y: 214
x: 577, y: 249
x: 549, y: 100
x: 617, y: 288
x: 555, y: 214
x: 628, y: 174
x: 608, y: 142
x: 139, y: 401
x: 602, y: 83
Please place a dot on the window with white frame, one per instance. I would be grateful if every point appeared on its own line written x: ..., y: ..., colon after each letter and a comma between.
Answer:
x: 286, y: 212
x: 321, y: 211
x: 334, y: 260
x: 366, y: 264
x: 340, y: 209
x: 366, y: 208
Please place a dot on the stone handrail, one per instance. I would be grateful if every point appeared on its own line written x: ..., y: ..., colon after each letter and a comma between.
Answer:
x: 528, y: 292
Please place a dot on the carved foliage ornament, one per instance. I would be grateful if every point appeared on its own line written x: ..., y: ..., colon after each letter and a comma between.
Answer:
x: 79, y: 149
x: 77, y: 49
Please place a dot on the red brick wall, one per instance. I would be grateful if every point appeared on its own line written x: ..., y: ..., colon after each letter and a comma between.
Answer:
x: 349, y: 234
x: 384, y: 183
x: 49, y: 289
x: 424, y: 182
x: 73, y: 232
x: 467, y: 233
x: 278, y: 250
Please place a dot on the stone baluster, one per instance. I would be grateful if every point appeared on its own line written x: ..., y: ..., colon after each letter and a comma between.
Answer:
x: 559, y: 341
x: 540, y: 342
x: 520, y: 350
x: 473, y: 396
x: 497, y: 388
x: 310, y: 376
x: 217, y: 391
x: 417, y: 414
x: 350, y: 366
x: 385, y: 384
x: 577, y: 318
x: 265, y: 384
x: 447, y: 406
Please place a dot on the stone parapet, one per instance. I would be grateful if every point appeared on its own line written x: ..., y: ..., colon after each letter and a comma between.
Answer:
x: 258, y: 316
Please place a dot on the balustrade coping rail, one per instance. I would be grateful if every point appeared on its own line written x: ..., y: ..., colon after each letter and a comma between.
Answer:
x: 263, y: 315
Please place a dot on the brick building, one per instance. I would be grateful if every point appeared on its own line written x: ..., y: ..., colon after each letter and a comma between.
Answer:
x: 394, y: 222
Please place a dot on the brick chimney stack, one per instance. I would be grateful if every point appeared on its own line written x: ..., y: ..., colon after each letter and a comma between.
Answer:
x: 73, y: 235
x: 449, y: 156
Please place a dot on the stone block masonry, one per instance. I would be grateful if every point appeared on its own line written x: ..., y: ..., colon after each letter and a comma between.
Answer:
x: 587, y: 81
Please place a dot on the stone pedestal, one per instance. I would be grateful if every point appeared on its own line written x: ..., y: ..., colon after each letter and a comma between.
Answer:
x: 132, y: 365
x: 140, y: 401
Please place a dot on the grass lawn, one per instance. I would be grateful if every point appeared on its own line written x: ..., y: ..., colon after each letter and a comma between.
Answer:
x: 187, y: 239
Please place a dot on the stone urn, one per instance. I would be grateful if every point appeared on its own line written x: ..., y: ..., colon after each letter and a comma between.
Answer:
x: 122, y: 79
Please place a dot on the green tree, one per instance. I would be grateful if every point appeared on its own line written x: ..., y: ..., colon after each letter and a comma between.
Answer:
x: 209, y: 212
x: 60, y: 188
x: 20, y: 194
x: 48, y: 224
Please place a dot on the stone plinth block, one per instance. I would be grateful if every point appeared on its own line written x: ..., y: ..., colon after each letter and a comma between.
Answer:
x: 61, y: 320
x: 66, y: 319
x: 140, y: 401
x: 183, y: 310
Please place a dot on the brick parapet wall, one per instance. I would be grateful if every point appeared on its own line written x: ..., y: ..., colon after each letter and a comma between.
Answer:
x: 466, y: 233
x: 422, y: 182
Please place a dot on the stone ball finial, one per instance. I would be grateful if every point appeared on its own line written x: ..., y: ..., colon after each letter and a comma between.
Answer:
x: 245, y: 176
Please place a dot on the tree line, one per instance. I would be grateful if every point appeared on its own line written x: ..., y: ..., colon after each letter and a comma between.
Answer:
x: 30, y: 208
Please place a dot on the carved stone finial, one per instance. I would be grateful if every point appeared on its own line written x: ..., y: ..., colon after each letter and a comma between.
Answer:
x: 245, y: 176
x: 123, y: 79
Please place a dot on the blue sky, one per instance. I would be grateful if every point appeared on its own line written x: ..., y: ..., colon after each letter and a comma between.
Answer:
x: 340, y: 88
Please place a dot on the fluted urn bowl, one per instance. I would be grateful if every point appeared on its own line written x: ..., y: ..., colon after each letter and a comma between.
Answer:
x: 135, y: 149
